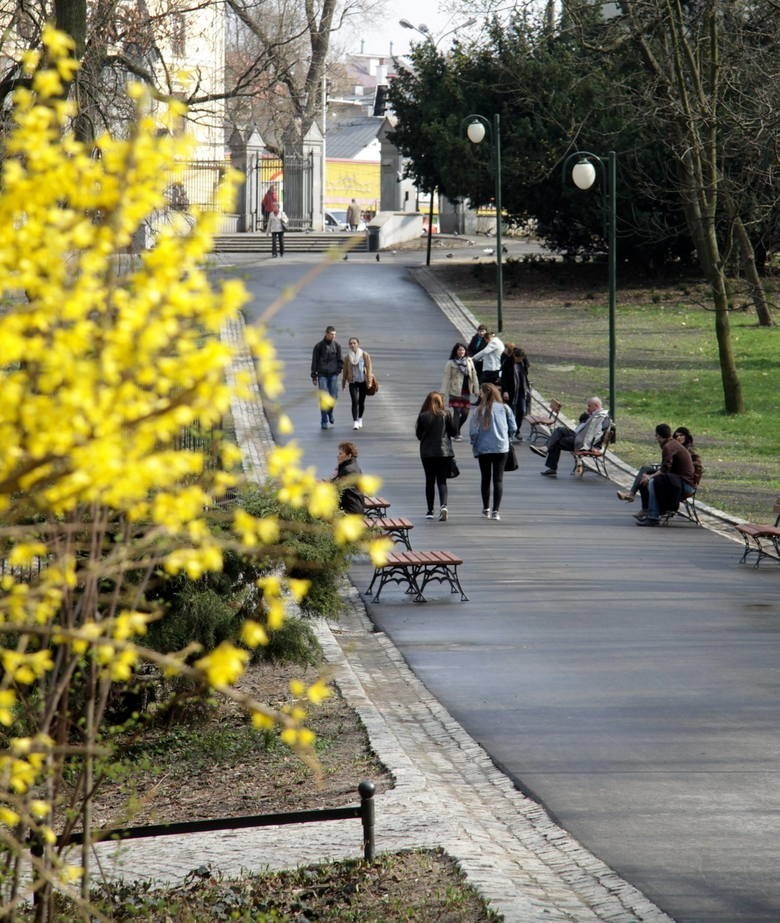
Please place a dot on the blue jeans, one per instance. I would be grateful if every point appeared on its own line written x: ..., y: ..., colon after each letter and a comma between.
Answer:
x: 652, y: 501
x: 329, y: 384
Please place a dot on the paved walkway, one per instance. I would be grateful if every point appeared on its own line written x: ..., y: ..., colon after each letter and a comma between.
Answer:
x: 447, y: 791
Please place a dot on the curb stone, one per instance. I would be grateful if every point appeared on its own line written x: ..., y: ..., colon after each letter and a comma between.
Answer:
x: 447, y: 791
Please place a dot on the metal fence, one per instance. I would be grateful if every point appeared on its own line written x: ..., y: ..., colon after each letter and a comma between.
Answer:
x: 293, y: 181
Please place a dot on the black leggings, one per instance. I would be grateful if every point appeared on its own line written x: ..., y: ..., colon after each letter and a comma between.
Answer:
x: 436, y: 470
x: 357, y: 391
x: 492, y: 466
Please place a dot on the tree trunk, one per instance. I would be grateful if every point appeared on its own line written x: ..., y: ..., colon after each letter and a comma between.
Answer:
x: 756, y: 289
x: 71, y: 16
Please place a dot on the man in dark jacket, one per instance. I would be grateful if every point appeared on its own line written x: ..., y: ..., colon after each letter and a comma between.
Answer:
x: 326, y: 367
x: 663, y: 490
x: 476, y: 343
x: 515, y: 388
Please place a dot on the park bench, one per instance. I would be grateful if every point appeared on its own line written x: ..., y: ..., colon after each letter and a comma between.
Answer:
x: 415, y: 570
x: 594, y: 459
x: 542, y: 424
x: 762, y: 541
x: 375, y: 507
x: 686, y: 509
x: 397, y: 529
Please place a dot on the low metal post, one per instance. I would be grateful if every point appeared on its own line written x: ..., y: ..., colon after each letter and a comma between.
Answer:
x: 366, y: 791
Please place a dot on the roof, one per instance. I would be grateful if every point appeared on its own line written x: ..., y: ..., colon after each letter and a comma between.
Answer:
x: 348, y: 137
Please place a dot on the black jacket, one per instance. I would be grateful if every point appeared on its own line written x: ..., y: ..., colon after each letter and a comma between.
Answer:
x: 351, y: 498
x: 326, y: 359
x: 434, y: 431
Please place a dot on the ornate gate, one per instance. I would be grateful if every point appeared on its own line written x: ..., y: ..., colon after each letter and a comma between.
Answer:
x: 292, y: 180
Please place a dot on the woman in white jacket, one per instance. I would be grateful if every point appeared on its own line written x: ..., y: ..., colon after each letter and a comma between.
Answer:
x: 460, y: 384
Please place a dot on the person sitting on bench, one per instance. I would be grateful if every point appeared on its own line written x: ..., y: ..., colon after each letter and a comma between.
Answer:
x: 663, y: 490
x: 588, y: 434
x: 681, y: 434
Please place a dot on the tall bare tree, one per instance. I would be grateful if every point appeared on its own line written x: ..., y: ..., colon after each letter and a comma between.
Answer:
x: 681, y: 44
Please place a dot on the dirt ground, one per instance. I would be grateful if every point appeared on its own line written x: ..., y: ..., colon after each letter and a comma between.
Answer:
x: 182, y: 783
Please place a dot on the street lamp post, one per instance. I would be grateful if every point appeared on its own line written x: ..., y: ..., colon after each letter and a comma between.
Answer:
x: 477, y: 127
x: 583, y: 175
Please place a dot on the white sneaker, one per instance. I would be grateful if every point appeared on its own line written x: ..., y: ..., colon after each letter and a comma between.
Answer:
x: 443, y: 514
x: 356, y: 425
x: 360, y: 423
x: 486, y: 514
x: 495, y: 515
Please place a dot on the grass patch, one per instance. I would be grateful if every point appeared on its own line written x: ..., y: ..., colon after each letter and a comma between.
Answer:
x: 667, y: 366
x: 407, y: 887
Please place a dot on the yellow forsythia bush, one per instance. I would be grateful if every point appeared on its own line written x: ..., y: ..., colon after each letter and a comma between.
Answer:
x: 104, y: 360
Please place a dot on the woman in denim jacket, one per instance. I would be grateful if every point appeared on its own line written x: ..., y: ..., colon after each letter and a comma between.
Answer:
x: 492, y: 426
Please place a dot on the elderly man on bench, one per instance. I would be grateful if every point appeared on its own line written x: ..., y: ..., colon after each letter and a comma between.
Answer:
x: 588, y: 433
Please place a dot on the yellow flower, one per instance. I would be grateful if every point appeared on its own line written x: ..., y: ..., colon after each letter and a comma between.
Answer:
x: 378, y: 551
x: 324, y: 500
x: 8, y: 817
x: 261, y: 721
x: 224, y: 665
x: 253, y: 634
x: 348, y: 529
x: 369, y: 484
x: 7, y: 704
x: 298, y: 588
x: 297, y: 688
x: 318, y: 692
x: 57, y: 43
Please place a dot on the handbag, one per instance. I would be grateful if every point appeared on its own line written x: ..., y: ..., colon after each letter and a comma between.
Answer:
x: 372, y: 387
x: 510, y: 463
x: 454, y: 469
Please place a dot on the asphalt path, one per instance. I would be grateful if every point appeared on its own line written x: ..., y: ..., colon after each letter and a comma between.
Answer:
x: 628, y: 679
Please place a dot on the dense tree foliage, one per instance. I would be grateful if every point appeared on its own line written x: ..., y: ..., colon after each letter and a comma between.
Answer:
x: 685, y: 94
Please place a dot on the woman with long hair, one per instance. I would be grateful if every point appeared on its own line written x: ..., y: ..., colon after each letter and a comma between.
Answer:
x: 492, y: 426
x: 434, y: 429
x: 685, y: 436
x: 459, y: 384
x: 357, y: 374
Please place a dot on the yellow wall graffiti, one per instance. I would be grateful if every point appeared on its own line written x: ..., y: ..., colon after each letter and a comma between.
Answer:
x: 352, y: 179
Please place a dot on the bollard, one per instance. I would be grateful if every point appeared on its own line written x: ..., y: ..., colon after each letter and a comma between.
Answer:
x: 366, y: 791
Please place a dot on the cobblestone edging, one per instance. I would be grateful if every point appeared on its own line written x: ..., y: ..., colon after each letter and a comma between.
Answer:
x: 447, y: 791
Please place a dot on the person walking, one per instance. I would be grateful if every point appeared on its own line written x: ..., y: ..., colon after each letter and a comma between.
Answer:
x: 491, y: 427
x: 357, y: 374
x: 354, y: 216
x: 490, y: 357
x: 326, y: 366
x: 277, y: 225
x: 434, y: 429
x: 459, y: 385
x: 515, y: 388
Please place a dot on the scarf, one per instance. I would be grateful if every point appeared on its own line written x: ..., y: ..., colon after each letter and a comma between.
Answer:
x: 463, y: 365
x: 355, y: 357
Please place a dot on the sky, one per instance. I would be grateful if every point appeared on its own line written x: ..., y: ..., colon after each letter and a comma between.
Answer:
x: 377, y: 38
